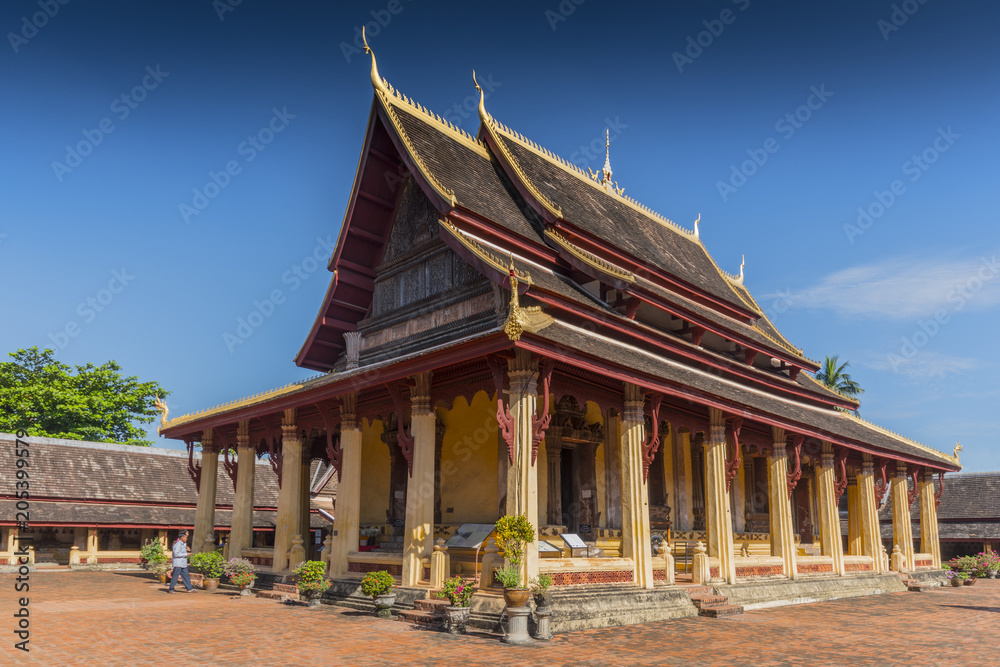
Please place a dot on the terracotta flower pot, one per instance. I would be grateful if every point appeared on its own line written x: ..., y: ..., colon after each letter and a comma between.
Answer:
x: 162, y: 578
x: 956, y: 582
x: 210, y: 585
x: 970, y: 581
x: 516, y: 597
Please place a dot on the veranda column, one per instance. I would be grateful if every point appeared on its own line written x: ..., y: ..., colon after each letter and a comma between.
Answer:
x: 289, y: 520
x: 612, y: 466
x: 347, y: 510
x: 418, y: 540
x: 522, y: 477
x: 635, y: 494
x: 718, y: 516
x: 779, y: 505
x: 553, y: 457
x: 871, y: 537
x: 902, y: 530
x: 204, y: 516
x: 241, y: 534
x: 929, y: 541
x: 853, y: 517
x: 829, y: 517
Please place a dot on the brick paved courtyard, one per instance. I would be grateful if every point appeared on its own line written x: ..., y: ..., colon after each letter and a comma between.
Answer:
x: 126, y: 619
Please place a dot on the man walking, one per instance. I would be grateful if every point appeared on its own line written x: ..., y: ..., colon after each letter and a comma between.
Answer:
x: 181, y: 551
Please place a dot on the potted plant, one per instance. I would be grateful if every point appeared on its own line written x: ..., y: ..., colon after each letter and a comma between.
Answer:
x: 312, y: 581
x: 989, y: 563
x: 211, y: 565
x: 513, y: 533
x: 380, y: 586
x: 958, y: 578
x: 241, y: 573
x: 367, y: 535
x: 540, y: 592
x: 155, y: 560
x: 459, y: 592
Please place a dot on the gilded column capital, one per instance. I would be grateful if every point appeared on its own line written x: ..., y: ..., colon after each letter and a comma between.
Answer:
x: 826, y: 454
x: 420, y: 395
x: 348, y: 411
x: 243, y: 434
x: 867, y: 465
x: 901, y: 470
x: 634, y: 404
x: 207, y: 442
x: 288, y: 427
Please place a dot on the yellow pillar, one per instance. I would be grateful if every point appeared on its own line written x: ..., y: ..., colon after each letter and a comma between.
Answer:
x: 288, y: 521
x: 636, y: 535
x: 929, y: 541
x: 902, y: 530
x: 522, y: 476
x: 241, y: 533
x: 418, y: 541
x: 871, y: 536
x: 829, y: 518
x: 718, y: 515
x: 854, y: 547
x: 204, y: 517
x: 347, y: 511
x: 779, y: 505
x: 688, y: 480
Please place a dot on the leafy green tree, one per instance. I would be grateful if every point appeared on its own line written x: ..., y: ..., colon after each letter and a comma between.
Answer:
x: 47, y: 398
x: 834, y: 376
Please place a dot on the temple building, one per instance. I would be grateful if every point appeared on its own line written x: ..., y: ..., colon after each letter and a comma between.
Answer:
x: 505, y: 333
x: 94, y: 504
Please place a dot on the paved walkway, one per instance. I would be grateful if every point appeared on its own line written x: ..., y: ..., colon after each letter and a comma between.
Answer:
x: 109, y: 618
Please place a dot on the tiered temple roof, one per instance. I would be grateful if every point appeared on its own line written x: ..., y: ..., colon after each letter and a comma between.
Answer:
x: 620, y: 291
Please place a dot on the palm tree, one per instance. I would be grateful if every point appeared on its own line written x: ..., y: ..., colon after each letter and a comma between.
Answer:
x: 834, y: 377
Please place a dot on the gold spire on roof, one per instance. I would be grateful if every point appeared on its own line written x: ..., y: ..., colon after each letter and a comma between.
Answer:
x: 603, y: 177
x: 743, y: 262
x: 482, y: 98
x: 696, y: 235
x: 376, y: 79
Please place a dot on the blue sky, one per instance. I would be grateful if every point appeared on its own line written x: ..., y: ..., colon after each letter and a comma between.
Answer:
x: 848, y: 149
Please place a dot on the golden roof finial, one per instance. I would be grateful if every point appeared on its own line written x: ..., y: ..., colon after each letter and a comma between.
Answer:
x: 696, y: 226
x: 161, y: 406
x: 958, y: 448
x: 377, y: 81
x: 607, y: 157
x: 482, y: 99
x: 743, y: 261
x: 513, y: 327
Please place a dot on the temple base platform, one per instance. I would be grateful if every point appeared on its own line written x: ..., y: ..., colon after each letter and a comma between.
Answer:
x: 780, y: 592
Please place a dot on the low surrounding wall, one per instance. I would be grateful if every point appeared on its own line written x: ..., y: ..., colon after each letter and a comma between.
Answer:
x: 761, y: 594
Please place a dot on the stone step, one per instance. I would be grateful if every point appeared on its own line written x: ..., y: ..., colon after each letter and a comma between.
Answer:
x: 421, y: 617
x: 707, y: 601
x: 431, y: 605
x: 274, y: 595
x: 721, y: 611
x: 692, y: 589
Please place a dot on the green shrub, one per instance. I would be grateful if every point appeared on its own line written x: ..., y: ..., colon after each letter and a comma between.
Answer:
x: 377, y: 583
x: 210, y: 563
x: 312, y: 577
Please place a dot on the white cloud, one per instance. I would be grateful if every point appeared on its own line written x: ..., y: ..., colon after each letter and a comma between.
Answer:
x: 907, y: 288
x: 924, y: 365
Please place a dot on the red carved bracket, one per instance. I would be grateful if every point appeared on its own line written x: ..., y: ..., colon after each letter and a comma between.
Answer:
x: 841, y: 464
x: 272, y: 427
x: 541, y: 424
x: 880, y: 489
x: 194, y: 469
x: 796, y: 475
x: 231, y: 464
x: 504, y: 419
x: 912, y: 494
x: 333, y: 450
x: 403, y: 439
x: 733, y: 464
x: 940, y: 492
x: 631, y: 307
x: 653, y: 441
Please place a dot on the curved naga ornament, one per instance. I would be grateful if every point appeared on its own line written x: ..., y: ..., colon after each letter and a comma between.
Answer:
x: 733, y: 464
x: 880, y: 489
x: 652, y: 443
x: 795, y: 475
x: 841, y: 465
x: 161, y: 406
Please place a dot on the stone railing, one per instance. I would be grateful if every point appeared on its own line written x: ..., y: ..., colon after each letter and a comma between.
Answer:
x: 261, y: 556
x: 568, y: 571
x: 360, y: 562
x: 759, y: 567
x: 858, y: 564
x: 923, y: 561
x: 807, y: 565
